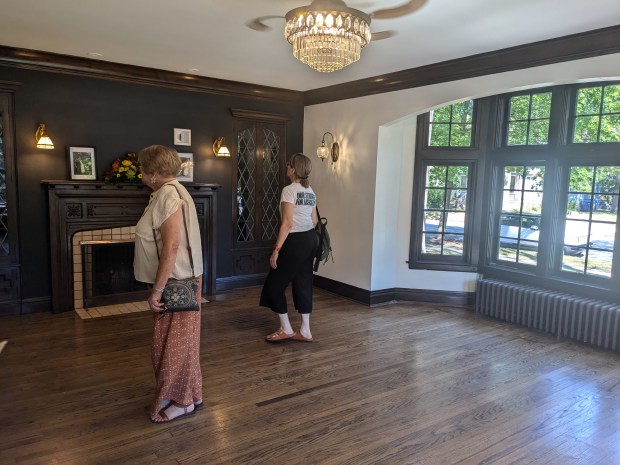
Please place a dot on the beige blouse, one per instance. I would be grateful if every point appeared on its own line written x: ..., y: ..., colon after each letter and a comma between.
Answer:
x: 163, y: 203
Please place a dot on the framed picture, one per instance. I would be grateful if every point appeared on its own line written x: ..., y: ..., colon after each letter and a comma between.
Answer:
x: 182, y: 136
x: 186, y: 173
x: 82, y: 162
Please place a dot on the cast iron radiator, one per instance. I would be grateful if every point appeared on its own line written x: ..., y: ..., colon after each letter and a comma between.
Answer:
x: 566, y: 316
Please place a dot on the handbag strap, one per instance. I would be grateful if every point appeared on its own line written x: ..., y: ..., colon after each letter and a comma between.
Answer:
x: 189, y: 247
x: 317, y: 258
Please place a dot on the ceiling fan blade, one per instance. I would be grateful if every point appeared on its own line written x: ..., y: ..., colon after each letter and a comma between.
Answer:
x: 382, y: 35
x: 398, y: 11
x: 258, y: 25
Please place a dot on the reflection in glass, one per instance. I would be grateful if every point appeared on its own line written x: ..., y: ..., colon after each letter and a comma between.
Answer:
x: 4, y: 225
x: 271, y: 186
x: 246, y: 166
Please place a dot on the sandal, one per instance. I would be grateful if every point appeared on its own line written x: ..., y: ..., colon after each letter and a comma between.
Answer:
x: 278, y: 336
x: 163, y: 418
x: 297, y: 336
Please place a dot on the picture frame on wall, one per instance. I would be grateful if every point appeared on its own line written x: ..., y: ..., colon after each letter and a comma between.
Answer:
x: 182, y: 136
x: 82, y: 163
x: 186, y: 173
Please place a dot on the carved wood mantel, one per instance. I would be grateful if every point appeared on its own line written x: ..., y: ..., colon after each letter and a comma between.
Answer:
x: 81, y: 206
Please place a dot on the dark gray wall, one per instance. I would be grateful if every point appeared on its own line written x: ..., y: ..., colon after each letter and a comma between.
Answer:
x: 116, y: 118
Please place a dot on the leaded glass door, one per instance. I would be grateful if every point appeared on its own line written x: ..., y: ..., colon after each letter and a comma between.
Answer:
x: 259, y: 173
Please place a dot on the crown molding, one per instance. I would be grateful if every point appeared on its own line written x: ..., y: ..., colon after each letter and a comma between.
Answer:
x: 567, y: 48
x: 66, y: 64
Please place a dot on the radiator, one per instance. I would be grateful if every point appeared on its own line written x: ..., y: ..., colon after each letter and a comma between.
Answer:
x: 566, y: 316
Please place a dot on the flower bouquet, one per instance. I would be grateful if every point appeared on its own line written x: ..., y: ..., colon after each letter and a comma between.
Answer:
x: 126, y: 170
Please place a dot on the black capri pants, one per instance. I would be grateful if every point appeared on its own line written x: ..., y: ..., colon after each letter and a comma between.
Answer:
x: 294, y: 266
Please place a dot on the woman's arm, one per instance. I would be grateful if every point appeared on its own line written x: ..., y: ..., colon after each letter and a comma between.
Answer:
x: 286, y: 223
x: 170, y: 231
x: 315, y: 217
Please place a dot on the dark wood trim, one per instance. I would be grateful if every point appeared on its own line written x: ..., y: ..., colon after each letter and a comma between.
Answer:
x: 438, y: 297
x: 239, y: 282
x: 10, y: 308
x: 384, y: 296
x: 9, y: 86
x: 36, y: 305
x: 260, y: 115
x: 343, y: 290
x: 66, y: 64
x: 567, y: 48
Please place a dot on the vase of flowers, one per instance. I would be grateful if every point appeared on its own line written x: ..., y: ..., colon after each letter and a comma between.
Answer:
x: 126, y: 170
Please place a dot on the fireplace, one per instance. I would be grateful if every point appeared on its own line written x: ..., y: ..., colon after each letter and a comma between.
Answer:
x: 82, y: 212
x: 106, y: 273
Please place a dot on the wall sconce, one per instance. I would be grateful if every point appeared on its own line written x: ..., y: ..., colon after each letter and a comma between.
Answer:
x: 323, y: 152
x: 42, y: 139
x: 219, y: 149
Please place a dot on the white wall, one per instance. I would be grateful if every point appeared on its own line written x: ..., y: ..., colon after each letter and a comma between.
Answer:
x: 367, y: 194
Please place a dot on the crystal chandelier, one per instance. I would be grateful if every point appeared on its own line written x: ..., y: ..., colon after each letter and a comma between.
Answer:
x: 327, y: 35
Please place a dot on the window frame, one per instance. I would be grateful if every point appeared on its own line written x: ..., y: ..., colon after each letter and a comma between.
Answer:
x: 450, y: 124
x: 488, y: 156
x: 421, y: 260
x: 506, y: 116
x: 437, y: 155
x: 573, y: 114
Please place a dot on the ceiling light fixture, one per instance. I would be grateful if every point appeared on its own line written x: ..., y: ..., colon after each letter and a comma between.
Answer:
x: 327, y: 35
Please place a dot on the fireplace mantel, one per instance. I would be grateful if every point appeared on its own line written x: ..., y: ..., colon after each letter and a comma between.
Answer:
x: 85, y: 205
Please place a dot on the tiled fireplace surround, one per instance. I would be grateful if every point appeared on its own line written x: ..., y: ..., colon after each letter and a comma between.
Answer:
x: 88, y: 211
x: 113, y: 234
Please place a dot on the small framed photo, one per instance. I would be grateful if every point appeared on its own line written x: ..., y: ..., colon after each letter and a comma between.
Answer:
x: 186, y: 173
x: 182, y: 136
x: 82, y: 162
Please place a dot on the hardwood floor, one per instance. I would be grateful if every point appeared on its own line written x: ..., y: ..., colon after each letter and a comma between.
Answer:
x: 395, y: 384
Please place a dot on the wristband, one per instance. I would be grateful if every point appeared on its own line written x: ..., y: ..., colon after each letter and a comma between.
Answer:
x: 277, y: 249
x: 158, y: 289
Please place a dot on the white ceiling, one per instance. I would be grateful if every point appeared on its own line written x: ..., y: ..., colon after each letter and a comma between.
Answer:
x: 211, y: 36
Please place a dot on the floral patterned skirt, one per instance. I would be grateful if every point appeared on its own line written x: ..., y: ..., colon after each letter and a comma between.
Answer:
x: 175, y: 354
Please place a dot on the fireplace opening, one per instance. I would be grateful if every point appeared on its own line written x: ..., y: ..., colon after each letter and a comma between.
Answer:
x: 108, y: 273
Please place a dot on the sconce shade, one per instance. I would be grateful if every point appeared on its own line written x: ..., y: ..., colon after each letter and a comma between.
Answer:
x: 42, y: 139
x: 223, y: 152
x: 323, y: 152
x: 219, y: 149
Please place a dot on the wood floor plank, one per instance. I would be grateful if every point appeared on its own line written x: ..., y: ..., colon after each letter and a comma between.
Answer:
x: 394, y: 384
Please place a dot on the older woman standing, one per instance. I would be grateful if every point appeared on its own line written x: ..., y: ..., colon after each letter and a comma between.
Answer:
x: 294, y: 252
x: 176, y: 336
